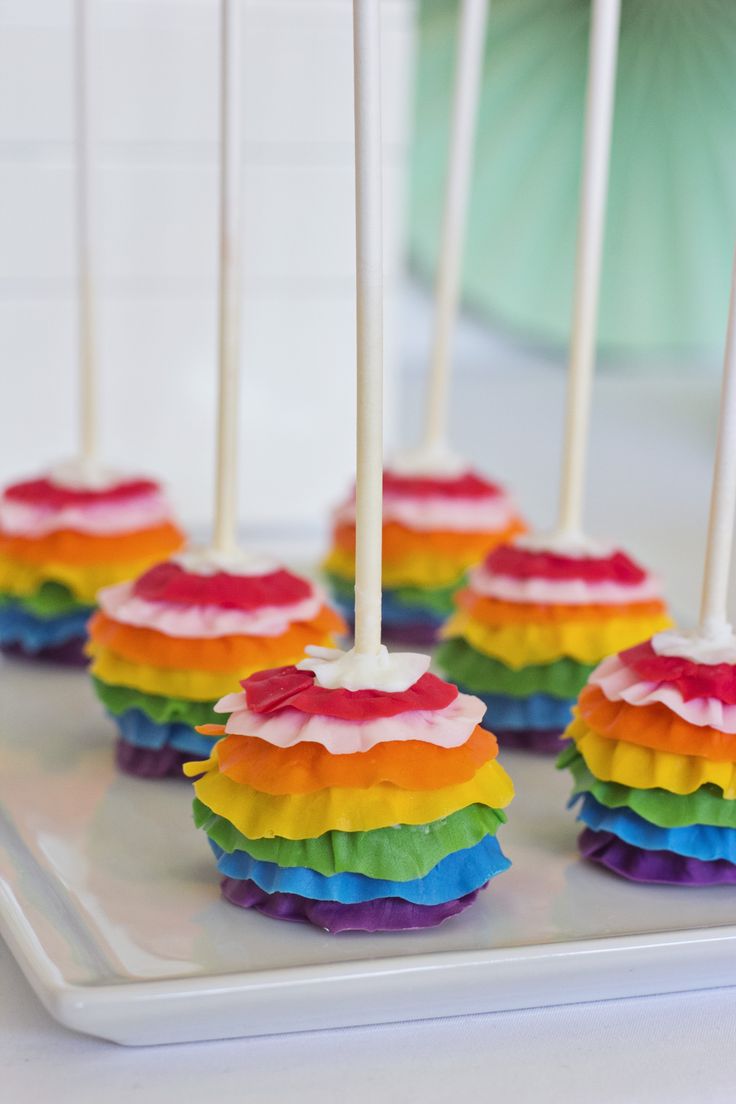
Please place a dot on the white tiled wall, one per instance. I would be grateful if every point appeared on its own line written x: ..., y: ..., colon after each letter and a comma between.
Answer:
x: 157, y: 131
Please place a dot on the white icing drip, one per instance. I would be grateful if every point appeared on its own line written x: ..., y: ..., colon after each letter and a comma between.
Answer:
x: 205, y: 561
x: 391, y: 672
x: 562, y: 592
x: 575, y: 545
x: 719, y: 647
x: 86, y: 475
x: 438, y: 462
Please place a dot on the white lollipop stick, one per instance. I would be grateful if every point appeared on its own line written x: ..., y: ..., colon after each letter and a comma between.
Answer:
x: 369, y: 302
x: 468, y: 73
x: 591, y: 224
x: 713, y: 618
x: 85, y: 238
x: 226, y: 491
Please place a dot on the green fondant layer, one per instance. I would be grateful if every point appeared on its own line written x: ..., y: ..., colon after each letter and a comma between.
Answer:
x: 397, y: 854
x: 480, y: 674
x: 437, y: 599
x: 118, y: 699
x: 706, y: 805
x: 50, y: 600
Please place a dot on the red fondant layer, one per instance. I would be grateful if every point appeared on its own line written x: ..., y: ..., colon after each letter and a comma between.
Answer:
x: 169, y: 582
x: 270, y: 690
x: 523, y: 563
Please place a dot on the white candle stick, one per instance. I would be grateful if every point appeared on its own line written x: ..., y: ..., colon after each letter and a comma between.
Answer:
x: 604, y: 33
x: 468, y: 74
x: 226, y: 493
x: 85, y: 237
x: 713, y: 617
x: 369, y: 269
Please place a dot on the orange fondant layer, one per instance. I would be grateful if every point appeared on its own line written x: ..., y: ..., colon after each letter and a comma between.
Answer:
x: 494, y: 611
x: 67, y: 546
x: 224, y: 653
x: 399, y: 542
x: 653, y: 726
x: 307, y: 767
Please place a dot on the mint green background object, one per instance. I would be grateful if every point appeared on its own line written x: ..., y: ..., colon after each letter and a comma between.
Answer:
x: 672, y: 204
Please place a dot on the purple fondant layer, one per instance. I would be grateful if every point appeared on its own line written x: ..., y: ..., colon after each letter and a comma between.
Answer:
x: 420, y: 635
x: 545, y: 741
x: 69, y: 654
x: 387, y: 914
x: 147, y: 763
x: 663, y: 867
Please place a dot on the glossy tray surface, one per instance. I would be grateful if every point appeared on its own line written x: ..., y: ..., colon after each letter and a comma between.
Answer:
x: 109, y: 899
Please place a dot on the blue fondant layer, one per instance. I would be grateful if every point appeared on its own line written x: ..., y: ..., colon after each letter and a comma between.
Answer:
x: 137, y: 728
x: 536, y: 712
x: 18, y: 626
x: 453, y: 877
x: 696, y: 841
x: 395, y: 613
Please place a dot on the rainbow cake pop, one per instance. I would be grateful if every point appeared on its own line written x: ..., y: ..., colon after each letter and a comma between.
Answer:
x: 540, y: 613
x: 439, y: 516
x: 79, y: 527
x: 654, y: 763
x: 654, y: 736
x: 371, y: 809
x: 355, y: 790
x: 434, y: 529
x: 534, y: 620
x: 166, y: 646
x: 62, y: 537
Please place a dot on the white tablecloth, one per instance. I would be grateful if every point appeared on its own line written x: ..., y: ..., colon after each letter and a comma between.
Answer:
x: 675, y: 1049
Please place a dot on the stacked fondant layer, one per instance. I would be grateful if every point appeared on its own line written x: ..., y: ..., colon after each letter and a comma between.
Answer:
x: 532, y: 624
x: 168, y: 645
x: 434, y: 529
x: 364, y: 809
x: 60, y: 543
x: 654, y: 763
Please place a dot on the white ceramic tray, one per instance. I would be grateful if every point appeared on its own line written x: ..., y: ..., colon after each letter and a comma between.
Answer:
x: 109, y: 901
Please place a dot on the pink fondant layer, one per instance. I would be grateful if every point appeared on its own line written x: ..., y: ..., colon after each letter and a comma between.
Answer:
x: 26, y: 519
x: 620, y: 683
x: 449, y: 727
x: 567, y: 592
x: 434, y: 514
x: 204, y: 621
